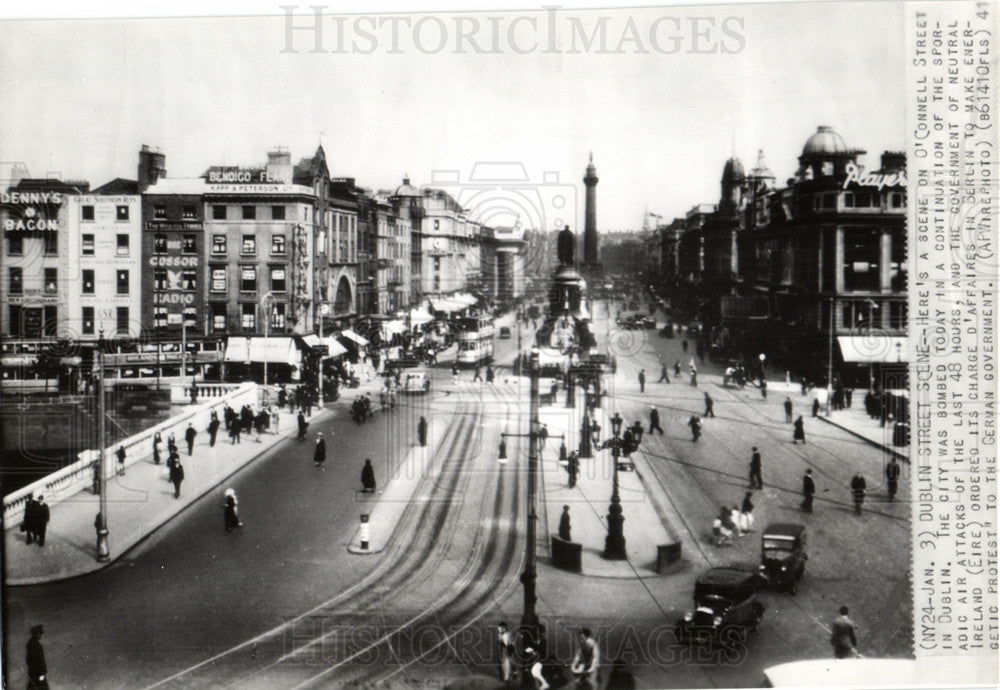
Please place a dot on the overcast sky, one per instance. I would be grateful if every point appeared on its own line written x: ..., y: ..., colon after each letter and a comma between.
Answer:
x: 79, y: 97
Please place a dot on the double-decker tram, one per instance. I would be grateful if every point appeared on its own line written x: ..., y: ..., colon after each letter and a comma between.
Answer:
x: 475, y: 340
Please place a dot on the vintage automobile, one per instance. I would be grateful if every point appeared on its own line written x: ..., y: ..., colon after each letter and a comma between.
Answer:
x: 648, y: 322
x: 416, y: 383
x: 726, y: 608
x: 783, y: 555
x: 504, y: 332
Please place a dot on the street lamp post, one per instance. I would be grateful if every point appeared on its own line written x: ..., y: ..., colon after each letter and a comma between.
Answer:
x: 103, y: 552
x: 829, y: 365
x: 265, y: 303
x: 614, y: 544
x: 529, y: 618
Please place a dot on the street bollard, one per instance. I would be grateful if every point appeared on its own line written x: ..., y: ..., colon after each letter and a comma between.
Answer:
x: 365, y: 532
x: 503, y: 449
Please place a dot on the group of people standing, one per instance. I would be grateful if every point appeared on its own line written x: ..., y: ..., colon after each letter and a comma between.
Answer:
x: 524, y: 659
x: 35, y: 520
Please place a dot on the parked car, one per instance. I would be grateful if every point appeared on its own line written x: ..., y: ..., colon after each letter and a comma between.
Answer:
x: 648, y: 322
x: 726, y: 608
x: 783, y: 555
x: 505, y: 332
x: 416, y: 383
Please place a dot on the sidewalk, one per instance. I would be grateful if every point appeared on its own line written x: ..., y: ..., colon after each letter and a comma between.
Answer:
x: 139, y: 503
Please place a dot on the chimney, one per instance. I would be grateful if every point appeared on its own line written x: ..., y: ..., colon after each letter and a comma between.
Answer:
x: 279, y: 166
x: 152, y: 166
x: 893, y: 161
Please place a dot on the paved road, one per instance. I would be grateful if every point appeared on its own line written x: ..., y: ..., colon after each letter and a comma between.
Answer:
x: 281, y: 604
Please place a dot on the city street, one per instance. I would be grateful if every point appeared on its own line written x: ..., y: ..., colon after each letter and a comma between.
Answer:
x: 281, y: 602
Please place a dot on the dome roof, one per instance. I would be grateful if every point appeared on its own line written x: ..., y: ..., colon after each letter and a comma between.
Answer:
x: 824, y: 141
x: 733, y: 170
x: 406, y: 189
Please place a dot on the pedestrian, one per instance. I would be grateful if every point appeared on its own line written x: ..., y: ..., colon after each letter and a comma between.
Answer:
x: 41, y: 519
x: 120, y: 454
x: 694, y: 377
x: 664, y: 376
x: 565, y: 530
x: 746, y: 512
x: 756, y: 482
x: 276, y: 418
x: 815, y: 407
x: 677, y: 368
x: 282, y: 395
x: 684, y: 345
x: 642, y: 380
x: 303, y: 425
x: 799, y: 433
x: 213, y: 430
x: 892, y: 477
x: 788, y: 410
x: 189, y: 435
x: 506, y: 650
x: 230, y: 511
x: 763, y: 388
x: 808, y: 491
x: 654, y: 420
x: 368, y: 477
x: 490, y: 375
x: 34, y: 659
x: 858, y: 487
x: 709, y: 412
x: 319, y: 454
x: 586, y: 660
x: 156, y: 448
x: 848, y: 394
x: 171, y: 442
x: 454, y: 372
x: 543, y: 438
x: 422, y: 431
x: 30, y: 519
x: 234, y: 429
x: 478, y: 375
x: 176, y: 477
x: 534, y: 667
x: 695, y: 425
x: 258, y: 425
x: 843, y: 636
x: 573, y: 468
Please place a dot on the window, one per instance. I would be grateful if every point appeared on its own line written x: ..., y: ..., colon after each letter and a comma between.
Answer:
x: 219, y: 213
x: 159, y: 244
x: 218, y: 244
x: 190, y: 316
x: 51, y: 240
x: 121, y: 320
x: 51, y: 280
x: 278, y: 279
x: 896, y: 200
x: 122, y: 282
x: 190, y: 245
x: 159, y: 212
x: 189, y: 280
x: 14, y: 311
x: 278, y: 316
x: 248, y: 316
x: 218, y: 280
x: 160, y: 317
x: 249, y: 213
x: 189, y: 213
x: 160, y: 279
x: 49, y: 320
x: 219, y: 318
x: 277, y: 244
x: 15, y: 244
x: 16, y: 283
x: 87, y: 317
x: 249, y: 245
x: 437, y: 225
x: 277, y: 213
x: 87, y: 213
x: 437, y: 263
x: 88, y: 281
x: 122, y: 246
x: 848, y: 199
x: 121, y: 213
x: 248, y: 279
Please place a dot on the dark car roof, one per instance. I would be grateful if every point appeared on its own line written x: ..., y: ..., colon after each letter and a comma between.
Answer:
x: 785, y: 529
x: 725, y: 577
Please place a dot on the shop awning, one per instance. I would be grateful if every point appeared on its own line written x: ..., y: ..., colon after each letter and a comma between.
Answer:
x: 464, y: 298
x: 334, y: 348
x: 236, y: 349
x: 448, y: 305
x: 354, y: 336
x: 270, y: 350
x: 873, y: 349
x: 391, y: 328
x: 311, y: 340
x: 419, y: 317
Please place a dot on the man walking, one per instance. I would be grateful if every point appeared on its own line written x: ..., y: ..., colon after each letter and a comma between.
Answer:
x: 677, y: 369
x: 799, y: 433
x: 41, y: 519
x: 664, y: 376
x: 642, y: 380
x: 29, y: 520
x: 120, y: 454
x: 490, y: 375
x: 478, y: 375
x: 654, y: 420
x: 34, y: 659
x: 587, y: 660
x: 843, y: 636
x: 572, y: 468
x: 756, y: 481
x: 892, y: 478
x: 319, y: 455
x: 708, y: 407
x: 858, y: 488
x: 788, y: 410
x: 213, y: 430
x: 422, y: 431
x: 543, y: 438
x: 303, y: 425
x: 176, y: 477
x: 564, y: 525
x: 808, y: 491
x: 368, y: 477
x: 189, y: 435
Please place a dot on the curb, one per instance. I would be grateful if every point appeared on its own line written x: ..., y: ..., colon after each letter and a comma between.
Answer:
x: 23, y: 582
x: 887, y: 449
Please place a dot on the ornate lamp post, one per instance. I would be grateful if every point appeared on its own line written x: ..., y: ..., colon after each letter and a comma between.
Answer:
x: 614, y: 544
x: 103, y: 552
x: 529, y: 618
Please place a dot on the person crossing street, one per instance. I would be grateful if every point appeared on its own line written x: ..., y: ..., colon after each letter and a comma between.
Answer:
x: 709, y: 412
x: 892, y: 478
x: 664, y: 376
x: 858, y: 489
x: 642, y: 380
x: 319, y: 454
x: 788, y: 410
x: 756, y: 482
x: 808, y: 491
x: 654, y: 420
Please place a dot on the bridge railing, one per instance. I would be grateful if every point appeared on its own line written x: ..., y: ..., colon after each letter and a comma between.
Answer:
x: 72, y: 479
x: 180, y: 393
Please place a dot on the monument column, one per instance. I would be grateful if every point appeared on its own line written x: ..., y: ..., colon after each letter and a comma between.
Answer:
x: 590, y: 255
